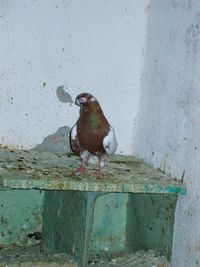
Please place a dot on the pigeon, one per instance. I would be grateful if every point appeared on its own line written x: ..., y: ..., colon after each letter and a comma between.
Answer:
x: 92, y: 135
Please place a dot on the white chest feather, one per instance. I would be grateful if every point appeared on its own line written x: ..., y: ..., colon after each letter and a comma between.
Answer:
x: 110, y: 142
x: 73, y: 132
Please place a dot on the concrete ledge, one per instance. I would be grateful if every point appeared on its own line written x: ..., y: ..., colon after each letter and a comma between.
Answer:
x: 20, y: 169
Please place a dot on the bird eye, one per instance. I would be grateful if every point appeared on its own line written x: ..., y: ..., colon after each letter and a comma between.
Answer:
x: 82, y: 100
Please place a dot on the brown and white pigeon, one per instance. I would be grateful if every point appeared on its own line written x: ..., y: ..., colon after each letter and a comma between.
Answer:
x: 92, y: 135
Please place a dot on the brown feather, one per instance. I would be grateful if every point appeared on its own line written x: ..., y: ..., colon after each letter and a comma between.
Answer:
x: 92, y: 127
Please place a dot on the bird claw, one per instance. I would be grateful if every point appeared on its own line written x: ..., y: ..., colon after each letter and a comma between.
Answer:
x: 81, y: 170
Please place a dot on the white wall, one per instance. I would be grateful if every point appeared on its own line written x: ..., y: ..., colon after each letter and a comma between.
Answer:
x: 93, y: 46
x: 168, y: 122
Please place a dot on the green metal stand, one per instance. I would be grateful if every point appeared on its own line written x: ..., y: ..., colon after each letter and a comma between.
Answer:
x: 150, y: 222
x: 67, y: 222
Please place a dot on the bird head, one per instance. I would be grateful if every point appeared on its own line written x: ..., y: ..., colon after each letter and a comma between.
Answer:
x: 84, y: 99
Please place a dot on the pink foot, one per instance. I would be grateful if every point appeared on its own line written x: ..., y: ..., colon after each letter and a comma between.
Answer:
x: 100, y: 173
x: 81, y: 170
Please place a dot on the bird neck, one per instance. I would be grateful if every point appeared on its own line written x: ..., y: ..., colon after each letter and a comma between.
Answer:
x: 93, y: 115
x: 90, y: 108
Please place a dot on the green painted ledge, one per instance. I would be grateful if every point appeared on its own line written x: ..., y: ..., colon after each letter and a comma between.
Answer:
x: 28, y: 169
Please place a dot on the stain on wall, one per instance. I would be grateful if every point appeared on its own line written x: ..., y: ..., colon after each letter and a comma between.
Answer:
x: 63, y: 96
x: 192, y: 38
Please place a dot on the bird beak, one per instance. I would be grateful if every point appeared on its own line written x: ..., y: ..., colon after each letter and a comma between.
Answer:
x: 77, y: 102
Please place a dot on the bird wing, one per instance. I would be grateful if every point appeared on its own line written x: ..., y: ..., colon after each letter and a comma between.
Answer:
x: 74, y: 142
x: 110, y: 142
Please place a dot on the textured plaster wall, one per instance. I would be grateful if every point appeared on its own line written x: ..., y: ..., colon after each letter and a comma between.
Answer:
x: 52, y: 50
x: 168, y: 122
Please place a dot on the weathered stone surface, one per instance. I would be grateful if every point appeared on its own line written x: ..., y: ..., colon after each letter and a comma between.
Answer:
x: 44, y: 170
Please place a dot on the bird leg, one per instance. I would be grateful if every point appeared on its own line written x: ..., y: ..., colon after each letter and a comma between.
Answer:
x: 83, y: 168
x: 85, y: 156
x: 101, y: 171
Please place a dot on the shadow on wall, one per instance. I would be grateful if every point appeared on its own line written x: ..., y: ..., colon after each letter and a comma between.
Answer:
x: 167, y: 85
x: 59, y: 141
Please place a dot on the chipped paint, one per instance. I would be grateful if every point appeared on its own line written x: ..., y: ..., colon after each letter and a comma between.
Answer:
x: 109, y: 224
x: 16, y: 226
